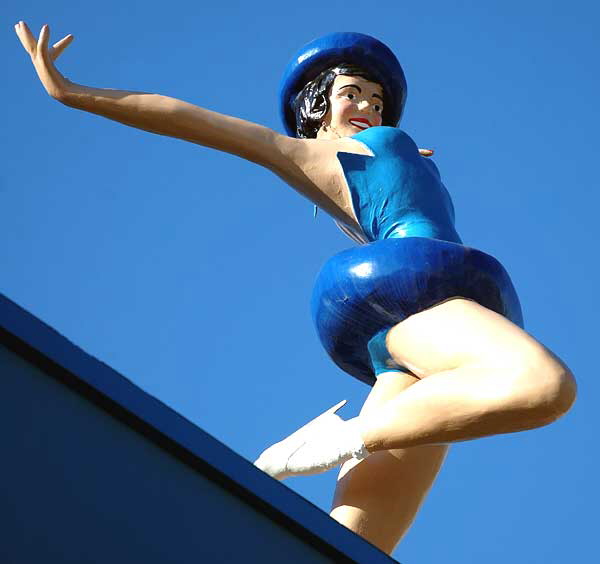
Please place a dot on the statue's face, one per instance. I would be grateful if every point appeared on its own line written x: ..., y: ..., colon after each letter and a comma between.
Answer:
x: 355, y: 104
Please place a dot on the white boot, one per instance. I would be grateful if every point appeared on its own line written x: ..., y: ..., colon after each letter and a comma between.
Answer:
x: 323, y: 443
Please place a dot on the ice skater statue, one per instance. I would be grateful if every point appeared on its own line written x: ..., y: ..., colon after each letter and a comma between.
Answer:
x: 434, y: 326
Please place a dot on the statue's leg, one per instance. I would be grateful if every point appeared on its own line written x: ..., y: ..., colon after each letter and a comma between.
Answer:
x: 379, y: 497
x: 480, y: 375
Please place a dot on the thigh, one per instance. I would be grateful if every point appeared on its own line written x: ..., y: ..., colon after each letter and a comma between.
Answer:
x: 459, y: 332
x: 379, y: 497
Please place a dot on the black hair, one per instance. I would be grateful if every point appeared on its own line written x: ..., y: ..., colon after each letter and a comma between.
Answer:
x: 312, y: 102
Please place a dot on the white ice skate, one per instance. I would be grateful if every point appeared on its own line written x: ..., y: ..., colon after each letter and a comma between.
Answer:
x: 277, y: 460
x: 325, y: 442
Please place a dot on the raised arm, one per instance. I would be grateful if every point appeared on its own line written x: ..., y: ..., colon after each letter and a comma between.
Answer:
x: 156, y: 113
x: 310, y: 166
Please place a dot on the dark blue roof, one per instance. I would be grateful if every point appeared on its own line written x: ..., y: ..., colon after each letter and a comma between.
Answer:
x: 42, y: 346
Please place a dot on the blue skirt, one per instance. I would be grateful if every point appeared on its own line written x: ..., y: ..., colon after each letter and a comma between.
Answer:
x: 364, y: 290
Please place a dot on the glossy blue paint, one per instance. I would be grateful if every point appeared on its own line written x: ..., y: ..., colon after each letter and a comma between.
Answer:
x: 397, y: 192
x: 333, y: 49
x: 363, y: 290
x: 414, y: 260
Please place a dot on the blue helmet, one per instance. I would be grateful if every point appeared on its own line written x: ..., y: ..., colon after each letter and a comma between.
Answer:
x: 342, y: 47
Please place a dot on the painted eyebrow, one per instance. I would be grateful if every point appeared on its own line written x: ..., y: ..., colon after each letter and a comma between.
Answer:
x: 350, y: 86
x: 359, y: 89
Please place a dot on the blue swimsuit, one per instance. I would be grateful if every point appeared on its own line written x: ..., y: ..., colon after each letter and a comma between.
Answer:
x: 414, y: 258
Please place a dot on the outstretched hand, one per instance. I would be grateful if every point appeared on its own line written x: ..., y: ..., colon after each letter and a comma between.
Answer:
x: 43, y: 57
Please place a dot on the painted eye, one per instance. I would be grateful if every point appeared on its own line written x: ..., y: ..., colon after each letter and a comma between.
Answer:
x: 350, y: 96
x: 378, y: 108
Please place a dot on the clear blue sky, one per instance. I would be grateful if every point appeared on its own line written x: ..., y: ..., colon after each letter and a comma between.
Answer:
x: 190, y: 271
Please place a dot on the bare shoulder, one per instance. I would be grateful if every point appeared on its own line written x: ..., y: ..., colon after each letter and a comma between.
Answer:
x: 307, y: 151
x: 311, y: 166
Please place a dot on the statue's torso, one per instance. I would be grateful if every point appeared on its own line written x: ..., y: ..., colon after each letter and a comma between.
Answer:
x: 397, y: 192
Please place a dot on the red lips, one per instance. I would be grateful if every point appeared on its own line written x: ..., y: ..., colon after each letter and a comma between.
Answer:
x: 360, y: 120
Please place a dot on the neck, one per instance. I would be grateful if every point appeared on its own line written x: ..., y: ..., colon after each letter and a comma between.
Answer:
x: 328, y: 132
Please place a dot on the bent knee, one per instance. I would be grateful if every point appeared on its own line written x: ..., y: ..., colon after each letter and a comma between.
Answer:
x: 543, y: 385
x: 560, y: 391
